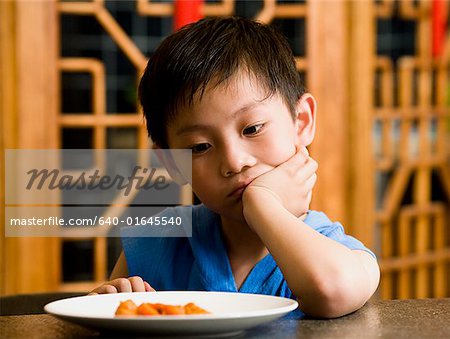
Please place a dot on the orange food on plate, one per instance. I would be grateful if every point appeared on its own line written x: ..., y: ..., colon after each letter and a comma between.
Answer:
x: 128, y: 307
x: 191, y: 308
x: 146, y: 309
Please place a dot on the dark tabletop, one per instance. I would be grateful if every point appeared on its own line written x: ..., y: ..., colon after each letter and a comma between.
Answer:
x: 421, y: 318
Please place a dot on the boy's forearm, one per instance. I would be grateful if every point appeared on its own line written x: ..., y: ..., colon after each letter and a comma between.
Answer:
x: 328, y: 278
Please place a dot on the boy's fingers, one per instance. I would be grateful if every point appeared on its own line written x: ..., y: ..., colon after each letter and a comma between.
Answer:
x: 304, y: 150
x: 132, y: 284
x: 298, y: 159
x: 310, y: 165
x: 305, y: 170
x: 314, y: 164
x: 122, y: 285
x: 301, y: 149
x: 103, y: 289
x: 310, y: 182
x: 108, y: 289
x: 148, y: 288
x: 137, y: 284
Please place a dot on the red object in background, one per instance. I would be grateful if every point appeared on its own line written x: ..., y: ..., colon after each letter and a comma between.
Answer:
x: 439, y: 24
x: 186, y: 11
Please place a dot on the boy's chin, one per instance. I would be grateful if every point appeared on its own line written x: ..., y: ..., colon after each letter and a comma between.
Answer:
x: 235, y: 214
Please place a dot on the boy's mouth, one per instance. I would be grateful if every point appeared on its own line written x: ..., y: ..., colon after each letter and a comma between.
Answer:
x: 239, y: 188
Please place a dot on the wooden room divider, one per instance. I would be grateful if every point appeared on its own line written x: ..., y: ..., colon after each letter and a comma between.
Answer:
x: 382, y: 138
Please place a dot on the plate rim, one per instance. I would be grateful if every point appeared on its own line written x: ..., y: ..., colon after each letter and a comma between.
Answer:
x: 293, y: 304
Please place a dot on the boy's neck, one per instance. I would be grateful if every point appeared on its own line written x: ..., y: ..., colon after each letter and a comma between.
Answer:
x: 241, y: 241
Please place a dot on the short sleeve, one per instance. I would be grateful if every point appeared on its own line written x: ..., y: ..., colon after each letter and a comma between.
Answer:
x: 334, y: 230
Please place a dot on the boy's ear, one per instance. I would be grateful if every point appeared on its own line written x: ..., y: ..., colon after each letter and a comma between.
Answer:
x: 166, y: 158
x: 305, y: 120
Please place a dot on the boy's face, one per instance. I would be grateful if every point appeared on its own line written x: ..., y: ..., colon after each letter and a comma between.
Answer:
x: 236, y: 134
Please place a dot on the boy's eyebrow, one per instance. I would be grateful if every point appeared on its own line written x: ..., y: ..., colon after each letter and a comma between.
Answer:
x: 197, y: 127
x: 246, y: 107
x: 191, y: 128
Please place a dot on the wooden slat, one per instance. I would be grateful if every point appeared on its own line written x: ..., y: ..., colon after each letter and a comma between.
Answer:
x: 384, y: 8
x: 150, y: 8
x: 32, y: 264
x: 105, y: 19
x: 361, y: 173
x: 97, y: 71
x: 408, y: 10
x: 387, y: 281
x: 327, y: 71
x: 405, y: 236
x: 406, y: 66
x: 441, y: 288
x: 384, y: 65
x: 272, y: 9
x: 408, y: 112
x: 267, y: 12
x: 422, y: 183
x: 147, y: 7
x: 100, y: 259
x: 8, y: 129
x: 119, y: 36
x: 394, y: 194
x: 288, y: 11
x: 222, y: 8
x: 110, y: 120
x: 430, y: 257
x: 80, y: 8
x: 301, y: 64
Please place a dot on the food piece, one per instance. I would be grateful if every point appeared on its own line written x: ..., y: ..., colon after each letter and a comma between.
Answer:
x: 170, y: 309
x: 192, y: 308
x: 128, y: 308
x: 147, y: 309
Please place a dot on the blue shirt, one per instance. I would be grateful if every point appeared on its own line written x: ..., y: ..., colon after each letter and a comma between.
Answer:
x: 201, y: 262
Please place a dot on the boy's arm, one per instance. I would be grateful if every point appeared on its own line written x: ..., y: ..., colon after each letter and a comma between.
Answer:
x: 118, y: 282
x: 329, y: 279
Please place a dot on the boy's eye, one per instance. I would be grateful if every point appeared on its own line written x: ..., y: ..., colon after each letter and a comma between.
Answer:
x: 200, y: 148
x: 252, y: 130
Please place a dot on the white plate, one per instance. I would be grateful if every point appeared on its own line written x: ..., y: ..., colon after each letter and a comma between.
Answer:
x: 230, y: 312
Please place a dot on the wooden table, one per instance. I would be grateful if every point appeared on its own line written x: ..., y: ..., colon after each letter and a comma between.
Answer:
x: 422, y: 318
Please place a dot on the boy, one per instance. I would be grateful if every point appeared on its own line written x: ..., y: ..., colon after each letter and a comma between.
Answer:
x: 227, y: 89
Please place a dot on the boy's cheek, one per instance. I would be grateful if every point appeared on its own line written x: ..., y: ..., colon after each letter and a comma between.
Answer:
x: 266, y: 170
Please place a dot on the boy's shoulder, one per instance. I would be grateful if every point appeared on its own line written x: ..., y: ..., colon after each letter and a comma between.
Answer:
x: 317, y: 219
x: 320, y: 222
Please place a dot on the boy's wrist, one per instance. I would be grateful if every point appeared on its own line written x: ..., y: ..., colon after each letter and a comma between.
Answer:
x: 256, y: 198
x: 256, y: 194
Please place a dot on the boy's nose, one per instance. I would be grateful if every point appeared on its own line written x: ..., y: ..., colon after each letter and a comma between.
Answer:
x: 235, y: 160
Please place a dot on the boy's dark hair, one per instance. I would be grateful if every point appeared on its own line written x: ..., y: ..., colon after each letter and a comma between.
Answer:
x: 209, y: 50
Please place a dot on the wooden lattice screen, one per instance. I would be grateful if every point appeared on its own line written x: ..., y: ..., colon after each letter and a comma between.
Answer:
x: 412, y: 162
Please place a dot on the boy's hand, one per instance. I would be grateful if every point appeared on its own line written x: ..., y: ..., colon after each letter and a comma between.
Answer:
x: 131, y: 284
x: 291, y: 183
